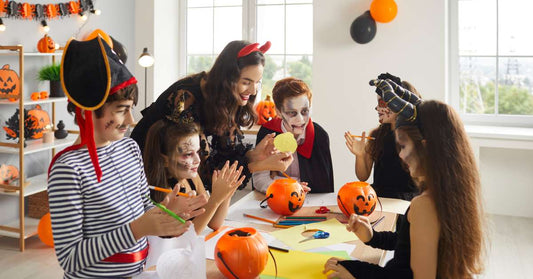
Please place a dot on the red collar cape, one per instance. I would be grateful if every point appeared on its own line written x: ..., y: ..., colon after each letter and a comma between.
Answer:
x: 307, y: 147
x: 90, y: 72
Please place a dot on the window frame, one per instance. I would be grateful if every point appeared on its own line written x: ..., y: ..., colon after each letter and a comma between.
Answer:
x: 454, y: 78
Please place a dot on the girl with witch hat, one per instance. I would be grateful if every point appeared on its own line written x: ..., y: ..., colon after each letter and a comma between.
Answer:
x: 440, y: 236
x: 97, y: 188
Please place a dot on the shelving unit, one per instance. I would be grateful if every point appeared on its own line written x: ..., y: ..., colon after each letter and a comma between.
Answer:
x: 26, y: 226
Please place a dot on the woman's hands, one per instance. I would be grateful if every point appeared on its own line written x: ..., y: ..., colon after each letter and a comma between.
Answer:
x: 266, y: 157
x: 338, y: 270
x: 226, y: 181
x: 360, y: 225
x: 357, y: 147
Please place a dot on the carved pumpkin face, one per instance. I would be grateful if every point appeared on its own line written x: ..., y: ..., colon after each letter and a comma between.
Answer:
x: 46, y: 45
x: 266, y: 110
x: 8, y: 173
x: 357, y: 197
x: 241, y: 253
x: 9, y: 83
x: 285, y: 196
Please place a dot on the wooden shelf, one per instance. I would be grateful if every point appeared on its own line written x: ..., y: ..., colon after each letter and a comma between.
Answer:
x: 30, y: 228
x: 32, y: 102
x: 37, y: 145
x: 34, y: 184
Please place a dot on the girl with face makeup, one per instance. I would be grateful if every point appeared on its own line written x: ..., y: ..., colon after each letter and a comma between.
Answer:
x: 312, y: 164
x: 391, y: 179
x: 440, y: 236
x: 171, y: 159
x: 220, y: 102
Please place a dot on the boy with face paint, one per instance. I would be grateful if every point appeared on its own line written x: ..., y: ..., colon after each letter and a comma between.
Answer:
x: 312, y: 166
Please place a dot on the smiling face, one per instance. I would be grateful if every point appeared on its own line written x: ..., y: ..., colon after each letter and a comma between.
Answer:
x: 248, y: 83
x: 184, y: 162
x: 385, y: 113
x: 114, y: 122
x: 408, y: 153
x: 295, y: 114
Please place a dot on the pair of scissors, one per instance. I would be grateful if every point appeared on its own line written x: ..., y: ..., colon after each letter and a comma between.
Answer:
x: 317, y: 235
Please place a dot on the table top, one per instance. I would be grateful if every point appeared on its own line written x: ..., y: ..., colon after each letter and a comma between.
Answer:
x: 361, y: 251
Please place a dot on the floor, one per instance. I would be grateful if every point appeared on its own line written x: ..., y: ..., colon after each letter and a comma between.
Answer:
x: 510, y: 255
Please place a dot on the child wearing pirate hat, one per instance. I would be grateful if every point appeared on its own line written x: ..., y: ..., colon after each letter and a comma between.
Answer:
x: 97, y: 187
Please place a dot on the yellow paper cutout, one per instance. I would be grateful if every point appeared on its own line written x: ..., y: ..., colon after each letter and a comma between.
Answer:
x: 337, y: 234
x: 285, y: 142
x: 297, y: 264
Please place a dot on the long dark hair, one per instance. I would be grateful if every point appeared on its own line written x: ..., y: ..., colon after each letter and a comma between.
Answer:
x: 375, y: 147
x: 222, y: 112
x: 161, y: 140
x: 452, y: 180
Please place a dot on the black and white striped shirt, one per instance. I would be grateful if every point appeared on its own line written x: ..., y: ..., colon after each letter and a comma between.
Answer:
x: 90, y: 220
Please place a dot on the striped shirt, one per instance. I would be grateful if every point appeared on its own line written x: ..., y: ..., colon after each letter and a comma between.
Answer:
x: 90, y: 220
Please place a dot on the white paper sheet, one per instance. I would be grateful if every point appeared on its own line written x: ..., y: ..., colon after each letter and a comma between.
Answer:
x: 251, y: 207
x: 326, y: 199
x: 394, y: 205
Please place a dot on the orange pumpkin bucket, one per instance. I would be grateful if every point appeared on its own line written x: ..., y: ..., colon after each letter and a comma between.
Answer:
x: 241, y: 253
x: 357, y: 197
x: 285, y: 196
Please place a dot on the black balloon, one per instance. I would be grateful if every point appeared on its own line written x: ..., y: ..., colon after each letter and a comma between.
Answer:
x: 120, y: 50
x: 363, y: 28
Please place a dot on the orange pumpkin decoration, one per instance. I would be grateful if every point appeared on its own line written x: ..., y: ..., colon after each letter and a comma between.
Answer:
x: 44, y: 230
x: 357, y: 197
x: 102, y: 34
x: 285, y: 196
x: 74, y: 7
x: 39, y: 121
x: 9, y: 83
x: 241, y: 253
x: 266, y: 110
x: 46, y: 45
x: 8, y: 173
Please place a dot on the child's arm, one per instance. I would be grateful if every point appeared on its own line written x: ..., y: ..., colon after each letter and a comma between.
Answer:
x: 424, y: 235
x: 262, y: 179
x: 363, y: 161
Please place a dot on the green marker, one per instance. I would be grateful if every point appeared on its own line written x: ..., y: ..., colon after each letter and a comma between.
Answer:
x: 168, y: 211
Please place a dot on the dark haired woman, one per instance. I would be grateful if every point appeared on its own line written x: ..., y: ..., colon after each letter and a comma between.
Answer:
x: 220, y: 102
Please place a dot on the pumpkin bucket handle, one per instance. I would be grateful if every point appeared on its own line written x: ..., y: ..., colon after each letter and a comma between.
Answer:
x: 275, y: 264
x: 265, y: 205
x: 344, y: 207
x: 219, y: 255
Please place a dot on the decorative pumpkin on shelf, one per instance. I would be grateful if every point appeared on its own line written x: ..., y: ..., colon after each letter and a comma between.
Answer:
x: 8, y: 173
x: 35, y: 121
x: 241, y: 253
x: 285, y: 196
x: 266, y: 111
x: 9, y: 83
x: 357, y: 197
x: 46, y: 45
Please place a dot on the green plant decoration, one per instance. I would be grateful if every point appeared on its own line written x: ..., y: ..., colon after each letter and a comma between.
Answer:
x: 49, y: 72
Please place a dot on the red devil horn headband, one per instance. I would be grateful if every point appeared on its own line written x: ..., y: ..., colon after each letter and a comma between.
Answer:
x: 253, y: 48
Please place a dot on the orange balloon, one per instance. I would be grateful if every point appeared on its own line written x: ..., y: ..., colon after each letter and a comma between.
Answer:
x: 383, y: 10
x: 102, y: 34
x: 45, y: 230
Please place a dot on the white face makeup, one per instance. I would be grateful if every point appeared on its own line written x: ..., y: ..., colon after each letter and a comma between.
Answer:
x: 248, y: 84
x: 408, y: 153
x: 185, y: 160
x: 295, y: 114
x: 384, y: 112
x: 114, y: 123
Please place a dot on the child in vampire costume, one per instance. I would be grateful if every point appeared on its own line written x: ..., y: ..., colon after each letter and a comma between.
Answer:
x: 312, y: 166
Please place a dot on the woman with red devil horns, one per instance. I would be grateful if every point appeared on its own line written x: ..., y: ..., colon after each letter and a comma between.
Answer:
x: 440, y: 235
x: 220, y: 102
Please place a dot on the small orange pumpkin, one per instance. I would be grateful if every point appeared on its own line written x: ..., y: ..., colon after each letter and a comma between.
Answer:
x: 46, y: 45
x: 8, y: 173
x: 266, y: 110
x: 241, y: 253
x: 39, y: 121
x: 357, y: 197
x: 9, y: 83
x: 285, y: 196
x: 102, y: 34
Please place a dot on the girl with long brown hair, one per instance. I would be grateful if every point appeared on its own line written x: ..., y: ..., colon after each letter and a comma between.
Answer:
x: 220, y: 102
x: 390, y: 179
x: 441, y: 233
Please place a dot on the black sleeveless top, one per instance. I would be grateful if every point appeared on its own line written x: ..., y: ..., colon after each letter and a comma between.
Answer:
x: 397, y: 267
x: 391, y: 180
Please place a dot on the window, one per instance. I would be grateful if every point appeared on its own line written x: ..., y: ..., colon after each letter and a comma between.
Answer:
x: 495, y: 61
x: 288, y: 24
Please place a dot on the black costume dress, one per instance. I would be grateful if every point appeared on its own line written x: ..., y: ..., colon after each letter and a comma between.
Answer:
x: 391, y: 180
x: 398, y: 267
x: 183, y: 101
x: 314, y: 156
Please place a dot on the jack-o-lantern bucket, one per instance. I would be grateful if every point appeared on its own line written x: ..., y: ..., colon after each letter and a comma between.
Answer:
x: 285, y: 196
x: 357, y: 197
x: 241, y: 253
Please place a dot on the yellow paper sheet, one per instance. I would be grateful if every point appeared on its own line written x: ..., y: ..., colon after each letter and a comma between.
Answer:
x: 337, y: 234
x: 297, y: 264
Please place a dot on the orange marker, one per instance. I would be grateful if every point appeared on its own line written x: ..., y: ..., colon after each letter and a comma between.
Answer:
x: 166, y: 190
x: 259, y: 218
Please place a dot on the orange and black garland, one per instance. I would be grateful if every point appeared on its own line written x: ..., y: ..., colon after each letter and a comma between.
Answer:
x: 13, y: 9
